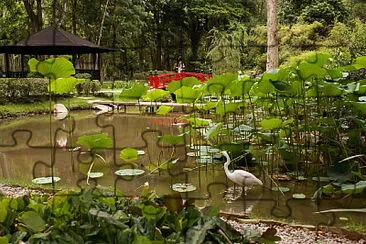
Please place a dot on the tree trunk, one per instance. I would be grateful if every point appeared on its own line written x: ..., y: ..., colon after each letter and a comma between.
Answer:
x: 272, y: 42
x: 74, y: 9
x: 35, y: 18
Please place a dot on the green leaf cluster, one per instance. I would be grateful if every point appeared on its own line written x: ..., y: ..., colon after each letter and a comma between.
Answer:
x: 92, y: 216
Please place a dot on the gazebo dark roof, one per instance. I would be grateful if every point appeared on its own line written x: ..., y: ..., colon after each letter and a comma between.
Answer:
x: 53, y: 40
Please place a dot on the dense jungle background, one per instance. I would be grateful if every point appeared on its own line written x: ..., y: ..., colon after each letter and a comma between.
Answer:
x: 209, y: 36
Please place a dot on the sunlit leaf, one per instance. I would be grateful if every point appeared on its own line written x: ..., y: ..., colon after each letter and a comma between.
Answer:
x: 172, y: 139
x: 187, y: 94
x: 239, y: 88
x: 308, y: 71
x: 64, y: 85
x: 128, y: 154
x: 360, y: 62
x: 319, y: 59
x: 271, y: 124
x: 265, y: 86
x: 3, y: 210
x: 155, y: 94
x: 95, y: 142
x: 219, y: 83
x: 174, y: 85
x: 190, y: 81
x: 53, y: 68
x: 335, y: 73
x: 288, y: 122
x: 223, y: 108
x: 331, y: 89
x: 162, y: 110
x: 33, y: 221
x: 32, y: 63
x: 198, y: 122
x: 135, y: 92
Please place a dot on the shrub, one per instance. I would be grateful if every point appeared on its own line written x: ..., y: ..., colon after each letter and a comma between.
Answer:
x: 3, y: 91
x: 22, y: 89
x: 88, y: 86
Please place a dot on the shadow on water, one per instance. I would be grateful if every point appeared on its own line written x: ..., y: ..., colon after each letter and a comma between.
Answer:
x: 26, y: 143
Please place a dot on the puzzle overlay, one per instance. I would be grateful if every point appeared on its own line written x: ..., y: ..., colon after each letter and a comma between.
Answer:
x: 96, y: 150
x: 188, y: 165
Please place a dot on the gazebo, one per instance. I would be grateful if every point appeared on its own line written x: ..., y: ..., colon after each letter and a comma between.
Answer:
x: 54, y: 40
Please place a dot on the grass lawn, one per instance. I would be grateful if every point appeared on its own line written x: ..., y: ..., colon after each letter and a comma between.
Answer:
x: 18, y: 109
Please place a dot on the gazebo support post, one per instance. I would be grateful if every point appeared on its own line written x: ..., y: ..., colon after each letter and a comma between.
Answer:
x: 22, y: 64
x: 7, y: 64
x: 99, y: 58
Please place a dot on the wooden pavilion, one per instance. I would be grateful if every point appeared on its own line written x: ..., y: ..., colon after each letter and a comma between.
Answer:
x: 54, y: 40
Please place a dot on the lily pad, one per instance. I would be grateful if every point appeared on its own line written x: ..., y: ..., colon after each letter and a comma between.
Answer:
x: 298, y: 196
x: 300, y: 177
x: 95, y: 174
x: 354, y: 188
x: 213, y: 150
x: 204, y: 160
x: 197, y: 154
x: 192, y: 154
x: 200, y: 148
x: 183, y: 187
x: 321, y: 179
x: 129, y: 172
x: 45, y: 180
x: 280, y: 188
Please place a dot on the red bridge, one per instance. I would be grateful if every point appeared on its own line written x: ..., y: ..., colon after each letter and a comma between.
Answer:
x: 162, y: 81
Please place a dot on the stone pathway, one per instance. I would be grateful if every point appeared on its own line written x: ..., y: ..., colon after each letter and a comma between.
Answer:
x: 298, y: 235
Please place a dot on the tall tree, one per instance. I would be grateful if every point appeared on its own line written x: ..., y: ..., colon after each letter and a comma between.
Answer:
x: 34, y: 11
x: 272, y: 39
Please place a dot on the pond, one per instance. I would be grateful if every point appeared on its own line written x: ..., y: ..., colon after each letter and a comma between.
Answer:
x: 28, y: 146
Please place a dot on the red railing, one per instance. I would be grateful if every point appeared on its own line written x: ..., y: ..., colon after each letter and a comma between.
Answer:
x: 161, y: 81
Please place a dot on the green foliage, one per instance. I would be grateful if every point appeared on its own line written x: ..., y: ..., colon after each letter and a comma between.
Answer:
x: 84, y: 85
x: 187, y: 94
x: 155, y: 95
x: 128, y: 154
x: 53, y: 68
x: 94, y: 216
x: 63, y: 85
x: 163, y: 110
x: 171, y: 139
x: 136, y: 91
x: 324, y: 11
x: 95, y: 142
x: 22, y: 89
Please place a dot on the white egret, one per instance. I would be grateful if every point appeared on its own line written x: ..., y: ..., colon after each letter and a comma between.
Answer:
x: 240, y: 177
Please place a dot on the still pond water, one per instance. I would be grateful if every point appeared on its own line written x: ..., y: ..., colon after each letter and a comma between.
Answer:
x: 28, y: 146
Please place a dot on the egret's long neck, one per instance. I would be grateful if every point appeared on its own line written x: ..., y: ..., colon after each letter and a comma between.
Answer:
x: 226, y: 168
